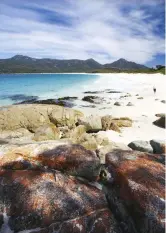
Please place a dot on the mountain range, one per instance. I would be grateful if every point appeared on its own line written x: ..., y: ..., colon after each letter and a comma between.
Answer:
x: 25, y: 64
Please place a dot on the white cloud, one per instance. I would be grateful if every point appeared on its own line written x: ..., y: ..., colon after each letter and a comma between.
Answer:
x: 99, y: 29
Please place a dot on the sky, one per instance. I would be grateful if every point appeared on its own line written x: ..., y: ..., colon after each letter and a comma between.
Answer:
x: 105, y: 30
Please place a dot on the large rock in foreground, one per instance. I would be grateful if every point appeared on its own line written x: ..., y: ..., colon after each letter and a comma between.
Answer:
x: 35, y: 201
x: 70, y: 159
x: 32, y: 116
x: 138, y: 190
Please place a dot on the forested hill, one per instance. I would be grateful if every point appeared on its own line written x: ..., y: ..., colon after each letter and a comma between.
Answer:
x: 25, y: 64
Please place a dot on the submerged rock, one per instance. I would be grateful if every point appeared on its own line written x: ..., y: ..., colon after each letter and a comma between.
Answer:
x: 137, y: 192
x: 141, y: 145
x: 20, y: 97
x: 93, y: 99
x: 65, y: 102
x: 159, y: 146
x: 59, y: 102
x: 93, y: 92
x: 68, y: 98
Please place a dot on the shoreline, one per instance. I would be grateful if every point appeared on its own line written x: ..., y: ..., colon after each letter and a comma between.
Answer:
x: 142, y: 112
x: 142, y: 117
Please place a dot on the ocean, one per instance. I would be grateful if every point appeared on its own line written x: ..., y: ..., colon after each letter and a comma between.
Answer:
x: 15, y: 88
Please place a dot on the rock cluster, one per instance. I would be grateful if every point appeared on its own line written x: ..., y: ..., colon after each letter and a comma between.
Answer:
x: 28, y: 123
x: 77, y: 180
x: 66, y: 101
x: 66, y: 189
x: 152, y: 146
x: 37, y: 197
x: 32, y: 116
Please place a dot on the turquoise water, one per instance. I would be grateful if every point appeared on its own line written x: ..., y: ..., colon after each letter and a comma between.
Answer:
x: 19, y: 87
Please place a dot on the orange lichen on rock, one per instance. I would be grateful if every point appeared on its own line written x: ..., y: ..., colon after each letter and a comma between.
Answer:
x: 71, y: 159
x: 51, y: 200
x: 139, y: 180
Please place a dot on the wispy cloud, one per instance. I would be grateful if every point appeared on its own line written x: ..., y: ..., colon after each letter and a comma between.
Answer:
x: 105, y: 30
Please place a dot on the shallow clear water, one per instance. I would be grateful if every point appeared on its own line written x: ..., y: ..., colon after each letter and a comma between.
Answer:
x: 19, y: 87
x: 43, y: 86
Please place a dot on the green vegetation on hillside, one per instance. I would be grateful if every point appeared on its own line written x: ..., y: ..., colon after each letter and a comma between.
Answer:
x: 25, y: 64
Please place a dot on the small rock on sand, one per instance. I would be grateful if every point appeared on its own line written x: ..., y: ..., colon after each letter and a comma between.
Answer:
x: 163, y: 101
x: 117, y: 104
x: 130, y: 104
x: 140, y: 145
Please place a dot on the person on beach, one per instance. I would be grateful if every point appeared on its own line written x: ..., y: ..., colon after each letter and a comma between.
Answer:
x: 154, y: 89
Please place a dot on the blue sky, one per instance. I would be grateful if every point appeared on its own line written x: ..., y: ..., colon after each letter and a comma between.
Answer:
x: 105, y: 30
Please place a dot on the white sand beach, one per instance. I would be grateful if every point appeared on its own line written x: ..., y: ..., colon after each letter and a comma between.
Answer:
x: 143, y: 110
